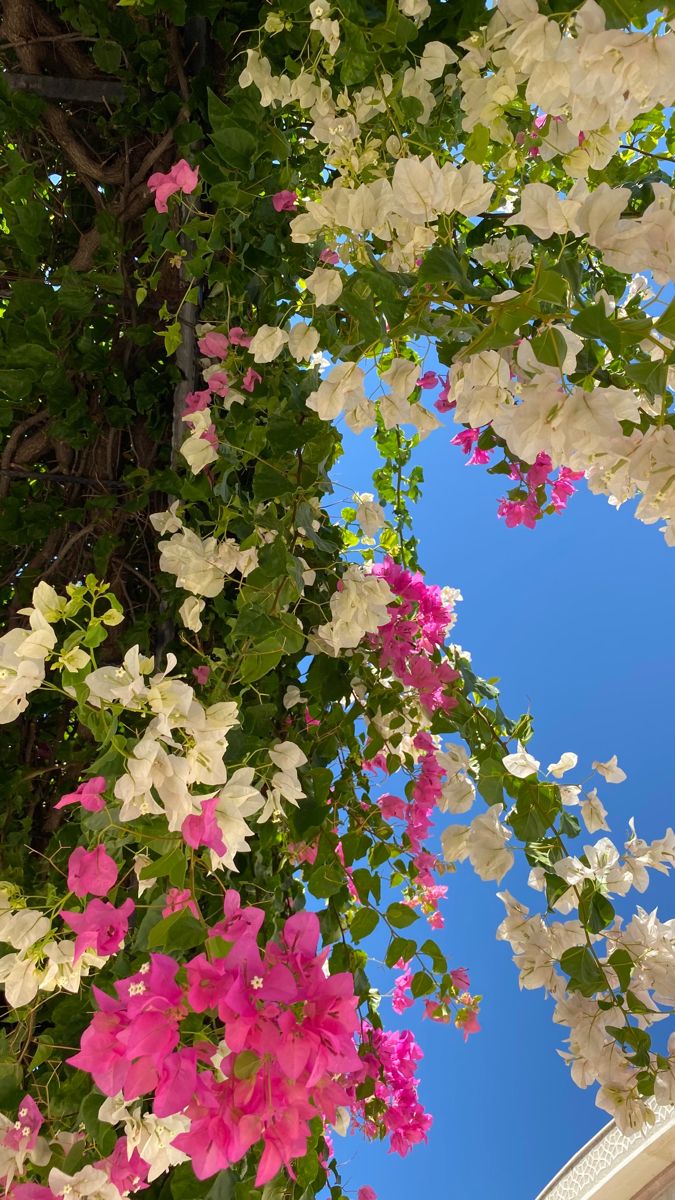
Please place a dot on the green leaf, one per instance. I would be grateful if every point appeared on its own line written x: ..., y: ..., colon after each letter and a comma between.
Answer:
x: 477, y: 144
x: 246, y: 1064
x: 550, y: 347
x: 569, y: 825
x: 173, y: 336
x: 270, y: 483
x: 422, y: 984
x: 551, y: 287
x: 634, y: 1004
x: 258, y: 664
x: 172, y: 864
x: 585, y: 975
x: 401, y: 915
x: 436, y: 955
x: 623, y: 965
x: 595, y: 911
x: 652, y: 376
x: 666, y: 322
x: 400, y: 947
x: 11, y: 1078
x: 593, y: 322
x: 535, y: 810
x: 363, y: 923
x: 180, y: 931
x: 326, y: 880
x: 490, y: 780
x: 107, y: 55
x: 555, y: 887
x: 442, y: 265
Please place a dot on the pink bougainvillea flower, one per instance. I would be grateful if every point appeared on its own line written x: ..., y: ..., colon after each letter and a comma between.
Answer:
x: 213, y: 344
x: 460, y: 978
x: 177, y: 899
x: 470, y: 1025
x: 519, y: 512
x: 31, y: 1191
x: 125, y: 1168
x: 466, y: 439
x: 239, y: 337
x: 428, y: 380
x: 310, y: 721
x: 219, y: 383
x: 196, y: 401
x: 210, y: 435
x: 250, y: 379
x: 201, y: 674
x: 101, y: 927
x: 91, y: 872
x: 329, y: 256
x: 563, y: 487
x: 88, y: 794
x: 443, y: 404
x: 181, y: 178
x: 392, y: 806
x: 539, y: 471
x: 436, y: 1012
x: 285, y: 201
x: 23, y: 1134
x: 366, y: 1193
x: 479, y: 458
x: 400, y: 1000
x: 204, y: 830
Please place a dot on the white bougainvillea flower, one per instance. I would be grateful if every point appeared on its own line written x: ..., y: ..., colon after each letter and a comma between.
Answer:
x: 369, y: 514
x: 593, y: 812
x: 325, y: 285
x: 521, y: 764
x: 267, y: 342
x: 303, y: 340
x: 566, y: 762
x: 610, y: 770
x: 190, y: 613
x: 417, y: 10
x: 167, y: 521
x: 436, y: 56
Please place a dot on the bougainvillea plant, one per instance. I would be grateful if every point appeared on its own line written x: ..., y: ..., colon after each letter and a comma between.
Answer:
x: 233, y: 715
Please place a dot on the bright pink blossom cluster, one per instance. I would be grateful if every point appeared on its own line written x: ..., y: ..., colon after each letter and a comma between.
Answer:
x: 181, y: 178
x: 526, y: 508
x: 217, y: 345
x: 418, y: 625
x: 88, y: 794
x: 281, y: 1051
x: 466, y: 439
x: 529, y: 509
x: 22, y: 1136
x: 391, y: 1058
x: 100, y: 927
x: 466, y: 1015
x: 289, y: 1029
x: 408, y: 646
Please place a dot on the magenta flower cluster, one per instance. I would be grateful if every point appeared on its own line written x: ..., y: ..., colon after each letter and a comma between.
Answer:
x: 278, y: 1047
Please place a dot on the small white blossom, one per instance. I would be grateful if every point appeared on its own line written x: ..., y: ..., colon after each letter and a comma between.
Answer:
x: 610, y: 770
x: 521, y: 764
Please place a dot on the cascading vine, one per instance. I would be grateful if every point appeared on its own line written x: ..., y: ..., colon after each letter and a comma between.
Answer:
x: 233, y: 714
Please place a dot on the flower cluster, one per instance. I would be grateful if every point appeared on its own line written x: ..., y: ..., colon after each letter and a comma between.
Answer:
x: 391, y: 1059
x: 277, y: 1050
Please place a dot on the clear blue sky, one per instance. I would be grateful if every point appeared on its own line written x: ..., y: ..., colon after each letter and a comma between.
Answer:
x: 575, y: 619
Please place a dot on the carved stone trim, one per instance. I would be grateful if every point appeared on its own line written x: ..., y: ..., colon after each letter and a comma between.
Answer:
x: 640, y: 1157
